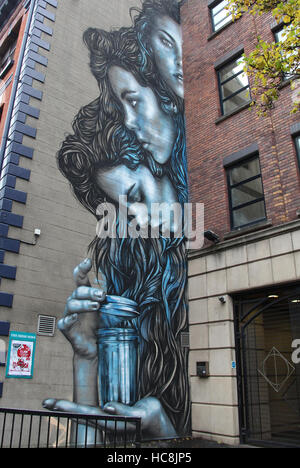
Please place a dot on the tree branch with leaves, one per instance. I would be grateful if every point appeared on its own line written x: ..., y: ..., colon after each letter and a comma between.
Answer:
x: 271, y: 64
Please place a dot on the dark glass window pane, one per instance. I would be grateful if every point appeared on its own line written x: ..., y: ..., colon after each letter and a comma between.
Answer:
x: 230, y: 70
x: 219, y: 7
x: 236, y: 101
x: 220, y: 15
x: 280, y: 36
x: 234, y: 85
x: 244, y: 171
x: 297, y: 144
x: 249, y: 214
x: 247, y: 192
x: 222, y: 18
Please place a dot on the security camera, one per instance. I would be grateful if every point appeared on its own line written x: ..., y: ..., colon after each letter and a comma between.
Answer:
x: 211, y: 236
x: 222, y: 299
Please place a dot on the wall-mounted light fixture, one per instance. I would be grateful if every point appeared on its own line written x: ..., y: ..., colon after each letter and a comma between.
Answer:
x: 36, y: 235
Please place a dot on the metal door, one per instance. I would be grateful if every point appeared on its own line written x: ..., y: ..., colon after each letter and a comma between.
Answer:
x: 267, y: 334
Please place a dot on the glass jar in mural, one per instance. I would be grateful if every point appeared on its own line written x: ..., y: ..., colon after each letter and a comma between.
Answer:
x: 117, y: 352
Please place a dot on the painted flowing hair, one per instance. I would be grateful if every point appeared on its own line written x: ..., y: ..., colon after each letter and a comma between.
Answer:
x: 150, y: 271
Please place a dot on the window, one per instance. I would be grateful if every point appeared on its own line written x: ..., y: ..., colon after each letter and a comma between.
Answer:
x: 7, y: 56
x: 220, y: 16
x: 6, y: 60
x: 7, y: 50
x: 297, y: 145
x: 280, y: 36
x: 233, y: 86
x: 246, y: 197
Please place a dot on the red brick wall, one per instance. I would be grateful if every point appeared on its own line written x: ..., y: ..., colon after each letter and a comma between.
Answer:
x: 17, y: 14
x: 208, y: 143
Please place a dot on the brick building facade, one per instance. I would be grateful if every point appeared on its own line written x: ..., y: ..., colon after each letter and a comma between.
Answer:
x: 225, y: 135
x: 256, y: 257
x: 13, y: 22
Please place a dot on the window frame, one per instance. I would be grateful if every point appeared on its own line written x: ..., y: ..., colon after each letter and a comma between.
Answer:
x: 212, y: 16
x: 297, y: 147
x: 276, y: 30
x: 1, y: 111
x: 8, y: 50
x: 243, y: 205
x: 221, y: 83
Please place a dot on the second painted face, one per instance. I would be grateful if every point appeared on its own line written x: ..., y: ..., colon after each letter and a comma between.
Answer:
x: 141, y: 190
x: 154, y: 129
x: 166, y: 43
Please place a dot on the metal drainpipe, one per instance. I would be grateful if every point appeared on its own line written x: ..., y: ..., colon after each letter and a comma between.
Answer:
x: 16, y: 81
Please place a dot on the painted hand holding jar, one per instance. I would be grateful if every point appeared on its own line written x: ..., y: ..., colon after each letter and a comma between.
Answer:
x: 107, y: 336
x: 117, y: 344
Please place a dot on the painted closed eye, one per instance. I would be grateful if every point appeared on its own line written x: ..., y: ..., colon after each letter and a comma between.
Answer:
x: 134, y: 195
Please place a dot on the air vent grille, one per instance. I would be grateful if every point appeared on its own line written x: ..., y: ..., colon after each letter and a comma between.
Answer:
x: 46, y: 325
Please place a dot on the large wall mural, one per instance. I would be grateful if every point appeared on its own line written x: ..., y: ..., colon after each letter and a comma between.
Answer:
x: 126, y: 154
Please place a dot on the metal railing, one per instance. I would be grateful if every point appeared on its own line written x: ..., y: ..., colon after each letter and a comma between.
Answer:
x: 44, y: 429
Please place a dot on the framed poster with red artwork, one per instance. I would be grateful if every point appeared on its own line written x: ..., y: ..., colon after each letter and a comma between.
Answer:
x: 20, y: 358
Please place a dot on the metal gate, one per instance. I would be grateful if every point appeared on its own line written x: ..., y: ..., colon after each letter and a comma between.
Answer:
x: 44, y: 429
x: 267, y: 326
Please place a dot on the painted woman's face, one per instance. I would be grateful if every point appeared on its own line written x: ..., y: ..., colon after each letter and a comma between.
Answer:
x: 155, y: 129
x: 141, y: 190
x: 166, y: 42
